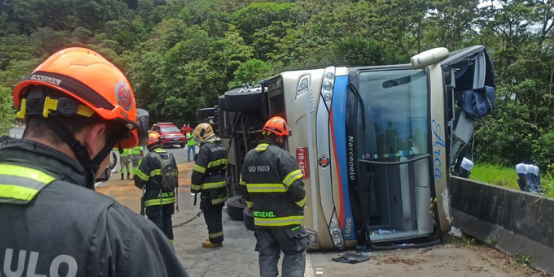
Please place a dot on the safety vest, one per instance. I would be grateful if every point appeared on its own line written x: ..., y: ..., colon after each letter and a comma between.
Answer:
x: 190, y: 139
x: 19, y: 185
x: 126, y: 153
x: 137, y: 150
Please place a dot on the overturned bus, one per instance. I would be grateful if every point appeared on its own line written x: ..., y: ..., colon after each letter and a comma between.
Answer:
x: 376, y: 144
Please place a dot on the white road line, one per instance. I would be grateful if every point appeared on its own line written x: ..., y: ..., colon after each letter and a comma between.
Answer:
x: 309, y: 271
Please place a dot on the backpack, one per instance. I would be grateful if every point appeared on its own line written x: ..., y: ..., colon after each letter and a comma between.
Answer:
x: 169, y: 174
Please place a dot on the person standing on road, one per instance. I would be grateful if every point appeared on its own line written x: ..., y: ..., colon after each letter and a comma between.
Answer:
x: 208, y: 178
x: 271, y: 184
x: 158, y: 200
x: 137, y: 154
x: 78, y: 107
x: 125, y: 163
x: 191, y: 145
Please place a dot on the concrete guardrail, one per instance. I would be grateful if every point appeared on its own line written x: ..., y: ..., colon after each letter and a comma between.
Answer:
x: 516, y: 222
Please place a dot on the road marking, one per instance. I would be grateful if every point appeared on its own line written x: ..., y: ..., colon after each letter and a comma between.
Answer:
x: 308, y: 271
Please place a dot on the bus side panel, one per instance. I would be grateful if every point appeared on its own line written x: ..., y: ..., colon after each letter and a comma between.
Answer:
x: 438, y: 140
x: 301, y: 115
x: 339, y: 143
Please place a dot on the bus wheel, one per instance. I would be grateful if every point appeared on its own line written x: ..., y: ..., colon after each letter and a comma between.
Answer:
x: 248, y: 218
x: 239, y: 99
x: 235, y: 205
x: 221, y: 103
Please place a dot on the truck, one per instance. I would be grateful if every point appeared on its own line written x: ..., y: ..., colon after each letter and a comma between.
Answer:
x: 376, y: 144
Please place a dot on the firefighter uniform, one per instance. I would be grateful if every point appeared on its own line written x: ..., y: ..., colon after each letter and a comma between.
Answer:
x: 208, y: 178
x: 160, y: 205
x: 41, y: 187
x: 272, y: 186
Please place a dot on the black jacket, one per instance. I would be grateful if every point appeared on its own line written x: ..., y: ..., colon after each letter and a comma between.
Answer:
x: 272, y: 186
x: 149, y: 175
x: 70, y: 228
x: 208, y: 175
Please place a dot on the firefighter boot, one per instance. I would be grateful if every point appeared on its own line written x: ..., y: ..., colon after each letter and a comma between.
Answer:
x: 208, y: 244
x: 121, y: 176
x: 128, y: 175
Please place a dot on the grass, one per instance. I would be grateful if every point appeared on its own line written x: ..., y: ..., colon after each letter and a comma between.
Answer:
x: 507, y: 177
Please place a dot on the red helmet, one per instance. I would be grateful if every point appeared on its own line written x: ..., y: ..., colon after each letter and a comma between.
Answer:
x: 278, y: 126
x: 96, y: 84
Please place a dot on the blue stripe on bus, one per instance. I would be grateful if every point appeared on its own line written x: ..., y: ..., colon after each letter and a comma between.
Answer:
x: 338, y: 115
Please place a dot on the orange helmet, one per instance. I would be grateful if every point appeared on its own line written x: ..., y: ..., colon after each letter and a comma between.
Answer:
x: 278, y: 126
x: 96, y: 84
x: 154, y: 139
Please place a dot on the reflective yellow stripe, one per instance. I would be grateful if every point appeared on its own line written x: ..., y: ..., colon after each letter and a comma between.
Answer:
x: 249, y: 204
x: 156, y: 201
x: 242, y: 182
x: 142, y: 176
x: 293, y: 176
x: 199, y: 169
x: 256, y: 188
x: 17, y: 192
x: 217, y: 162
x: 20, y: 171
x: 213, y: 185
x: 278, y: 221
x: 215, y: 235
x: 155, y: 172
x: 219, y: 200
x: 20, y: 184
x: 301, y: 202
x: 196, y: 187
x: 261, y: 147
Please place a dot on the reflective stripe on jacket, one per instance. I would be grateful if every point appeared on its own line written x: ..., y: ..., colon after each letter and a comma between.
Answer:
x: 149, y: 174
x: 208, y: 174
x: 272, y: 186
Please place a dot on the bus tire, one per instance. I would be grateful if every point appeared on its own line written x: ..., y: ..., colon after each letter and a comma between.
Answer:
x: 205, y: 113
x: 240, y: 100
x: 248, y: 218
x: 221, y: 103
x: 235, y: 207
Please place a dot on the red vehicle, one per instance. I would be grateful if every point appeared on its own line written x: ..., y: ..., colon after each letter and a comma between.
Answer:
x: 170, y: 133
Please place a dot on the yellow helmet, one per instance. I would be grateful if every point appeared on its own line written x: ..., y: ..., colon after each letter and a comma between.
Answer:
x: 203, y: 132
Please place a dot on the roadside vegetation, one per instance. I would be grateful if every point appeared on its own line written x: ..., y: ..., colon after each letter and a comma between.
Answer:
x: 180, y: 55
x: 507, y: 177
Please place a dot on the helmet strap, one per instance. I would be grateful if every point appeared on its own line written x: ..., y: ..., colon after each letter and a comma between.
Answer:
x: 91, y: 166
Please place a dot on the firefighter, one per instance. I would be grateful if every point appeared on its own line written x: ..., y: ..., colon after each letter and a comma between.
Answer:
x: 137, y: 154
x: 159, y: 203
x: 208, y: 178
x: 78, y: 107
x: 191, y: 145
x: 272, y: 186
x: 125, y: 163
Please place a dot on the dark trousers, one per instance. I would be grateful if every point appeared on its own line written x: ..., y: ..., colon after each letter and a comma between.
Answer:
x: 292, y: 241
x: 161, y: 216
x: 212, y: 216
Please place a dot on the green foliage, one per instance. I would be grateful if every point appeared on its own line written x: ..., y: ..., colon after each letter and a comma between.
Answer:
x: 7, y: 111
x: 495, y: 174
x: 523, y: 260
x: 495, y: 239
x: 181, y: 54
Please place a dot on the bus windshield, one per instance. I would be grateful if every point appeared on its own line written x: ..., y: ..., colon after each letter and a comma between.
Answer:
x: 395, y: 107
